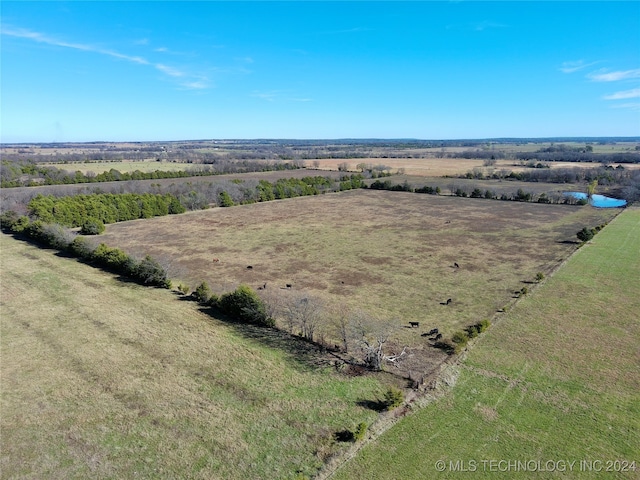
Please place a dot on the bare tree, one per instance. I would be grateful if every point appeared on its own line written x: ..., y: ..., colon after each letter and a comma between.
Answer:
x: 305, y: 312
x: 342, y: 322
x: 373, y: 336
x: 272, y: 301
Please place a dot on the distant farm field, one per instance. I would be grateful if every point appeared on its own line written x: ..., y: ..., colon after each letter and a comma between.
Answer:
x: 125, y: 166
x: 556, y: 381
x: 392, y: 254
x: 106, y: 379
x: 423, y: 167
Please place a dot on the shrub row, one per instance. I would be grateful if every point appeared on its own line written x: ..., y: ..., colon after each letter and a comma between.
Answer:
x: 460, y: 339
x: 146, y: 271
x: 519, y: 196
x: 587, y: 234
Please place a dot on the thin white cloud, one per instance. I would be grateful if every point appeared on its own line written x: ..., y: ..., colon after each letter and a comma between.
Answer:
x: 631, y: 106
x: 172, y: 72
x: 633, y: 93
x: 574, y: 66
x: 267, y: 96
x: 195, y: 83
x: 202, y: 84
x: 603, y: 76
x: 42, y: 38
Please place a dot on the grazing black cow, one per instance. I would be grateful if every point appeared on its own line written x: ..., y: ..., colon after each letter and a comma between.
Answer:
x: 448, y: 302
x: 438, y: 337
x: 414, y: 324
x: 433, y: 331
x: 289, y: 285
x: 456, y: 265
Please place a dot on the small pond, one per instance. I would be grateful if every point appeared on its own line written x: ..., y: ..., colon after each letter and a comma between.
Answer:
x: 599, y: 201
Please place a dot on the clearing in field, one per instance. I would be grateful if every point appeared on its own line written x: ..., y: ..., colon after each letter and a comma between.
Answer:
x: 392, y: 254
x: 556, y: 380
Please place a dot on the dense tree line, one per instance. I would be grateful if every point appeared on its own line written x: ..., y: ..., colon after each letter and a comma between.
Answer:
x: 551, y: 154
x: 518, y: 196
x: 625, y: 181
x: 76, y: 210
x: 19, y: 174
x: 242, y: 192
x: 579, y: 155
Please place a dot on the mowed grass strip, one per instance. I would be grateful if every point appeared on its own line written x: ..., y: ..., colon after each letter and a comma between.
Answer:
x: 106, y: 379
x: 557, y: 379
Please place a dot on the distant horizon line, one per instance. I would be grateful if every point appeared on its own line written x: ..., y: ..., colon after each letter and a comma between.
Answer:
x: 343, y: 139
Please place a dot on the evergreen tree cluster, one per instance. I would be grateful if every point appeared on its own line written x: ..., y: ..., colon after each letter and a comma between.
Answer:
x: 77, y: 210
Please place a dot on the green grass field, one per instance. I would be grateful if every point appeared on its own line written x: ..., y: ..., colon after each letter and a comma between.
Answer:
x: 107, y: 379
x: 556, y: 380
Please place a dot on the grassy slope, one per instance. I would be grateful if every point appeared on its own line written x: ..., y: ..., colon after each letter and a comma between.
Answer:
x: 105, y: 379
x: 556, y: 379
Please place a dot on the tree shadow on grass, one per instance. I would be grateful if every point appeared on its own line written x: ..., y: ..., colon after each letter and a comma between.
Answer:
x: 344, y: 436
x: 304, y: 355
x: 375, y: 405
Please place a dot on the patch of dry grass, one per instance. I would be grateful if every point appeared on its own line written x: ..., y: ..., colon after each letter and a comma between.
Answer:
x: 390, y: 253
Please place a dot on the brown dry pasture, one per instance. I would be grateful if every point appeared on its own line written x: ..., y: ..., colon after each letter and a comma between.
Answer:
x: 392, y: 254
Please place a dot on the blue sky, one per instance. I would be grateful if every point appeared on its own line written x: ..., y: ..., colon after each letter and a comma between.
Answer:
x: 142, y: 71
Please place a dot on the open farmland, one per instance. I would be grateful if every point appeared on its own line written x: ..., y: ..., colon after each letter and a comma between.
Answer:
x: 425, y: 167
x: 440, y: 167
x: 389, y: 253
x: 556, y: 379
x: 122, y: 166
x: 106, y: 379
